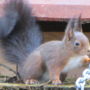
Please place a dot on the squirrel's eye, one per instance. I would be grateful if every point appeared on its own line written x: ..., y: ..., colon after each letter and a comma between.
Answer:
x: 77, y: 43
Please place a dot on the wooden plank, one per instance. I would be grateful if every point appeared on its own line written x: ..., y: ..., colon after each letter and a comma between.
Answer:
x: 41, y: 87
x: 48, y: 36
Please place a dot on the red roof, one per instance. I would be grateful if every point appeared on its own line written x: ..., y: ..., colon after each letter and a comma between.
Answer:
x: 56, y: 10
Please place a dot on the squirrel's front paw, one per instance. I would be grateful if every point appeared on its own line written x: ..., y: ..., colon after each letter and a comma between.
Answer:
x: 31, y: 81
x: 56, y: 82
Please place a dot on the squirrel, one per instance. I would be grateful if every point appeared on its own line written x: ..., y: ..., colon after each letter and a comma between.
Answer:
x: 19, y: 32
x: 57, y: 58
x: 21, y: 43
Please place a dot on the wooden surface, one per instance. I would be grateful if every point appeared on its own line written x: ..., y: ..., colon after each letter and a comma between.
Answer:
x: 39, y: 87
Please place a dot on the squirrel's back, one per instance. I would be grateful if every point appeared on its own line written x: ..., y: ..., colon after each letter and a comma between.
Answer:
x: 19, y: 32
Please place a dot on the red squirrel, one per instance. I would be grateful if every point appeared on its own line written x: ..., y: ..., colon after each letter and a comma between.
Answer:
x: 19, y: 32
x: 57, y: 57
x: 21, y: 39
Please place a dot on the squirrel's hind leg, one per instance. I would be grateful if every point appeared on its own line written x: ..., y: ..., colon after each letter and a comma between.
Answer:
x: 31, y: 81
x: 33, y: 69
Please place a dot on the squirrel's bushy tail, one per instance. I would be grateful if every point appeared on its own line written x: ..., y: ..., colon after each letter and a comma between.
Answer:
x: 19, y: 31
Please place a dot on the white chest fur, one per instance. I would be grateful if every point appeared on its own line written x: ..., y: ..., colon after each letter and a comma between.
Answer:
x: 74, y: 62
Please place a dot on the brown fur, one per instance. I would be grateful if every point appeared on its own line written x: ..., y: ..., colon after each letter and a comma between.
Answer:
x: 54, y: 56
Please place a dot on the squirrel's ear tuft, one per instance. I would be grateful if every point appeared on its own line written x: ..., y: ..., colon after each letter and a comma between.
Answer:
x: 69, y: 33
x: 78, y: 24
